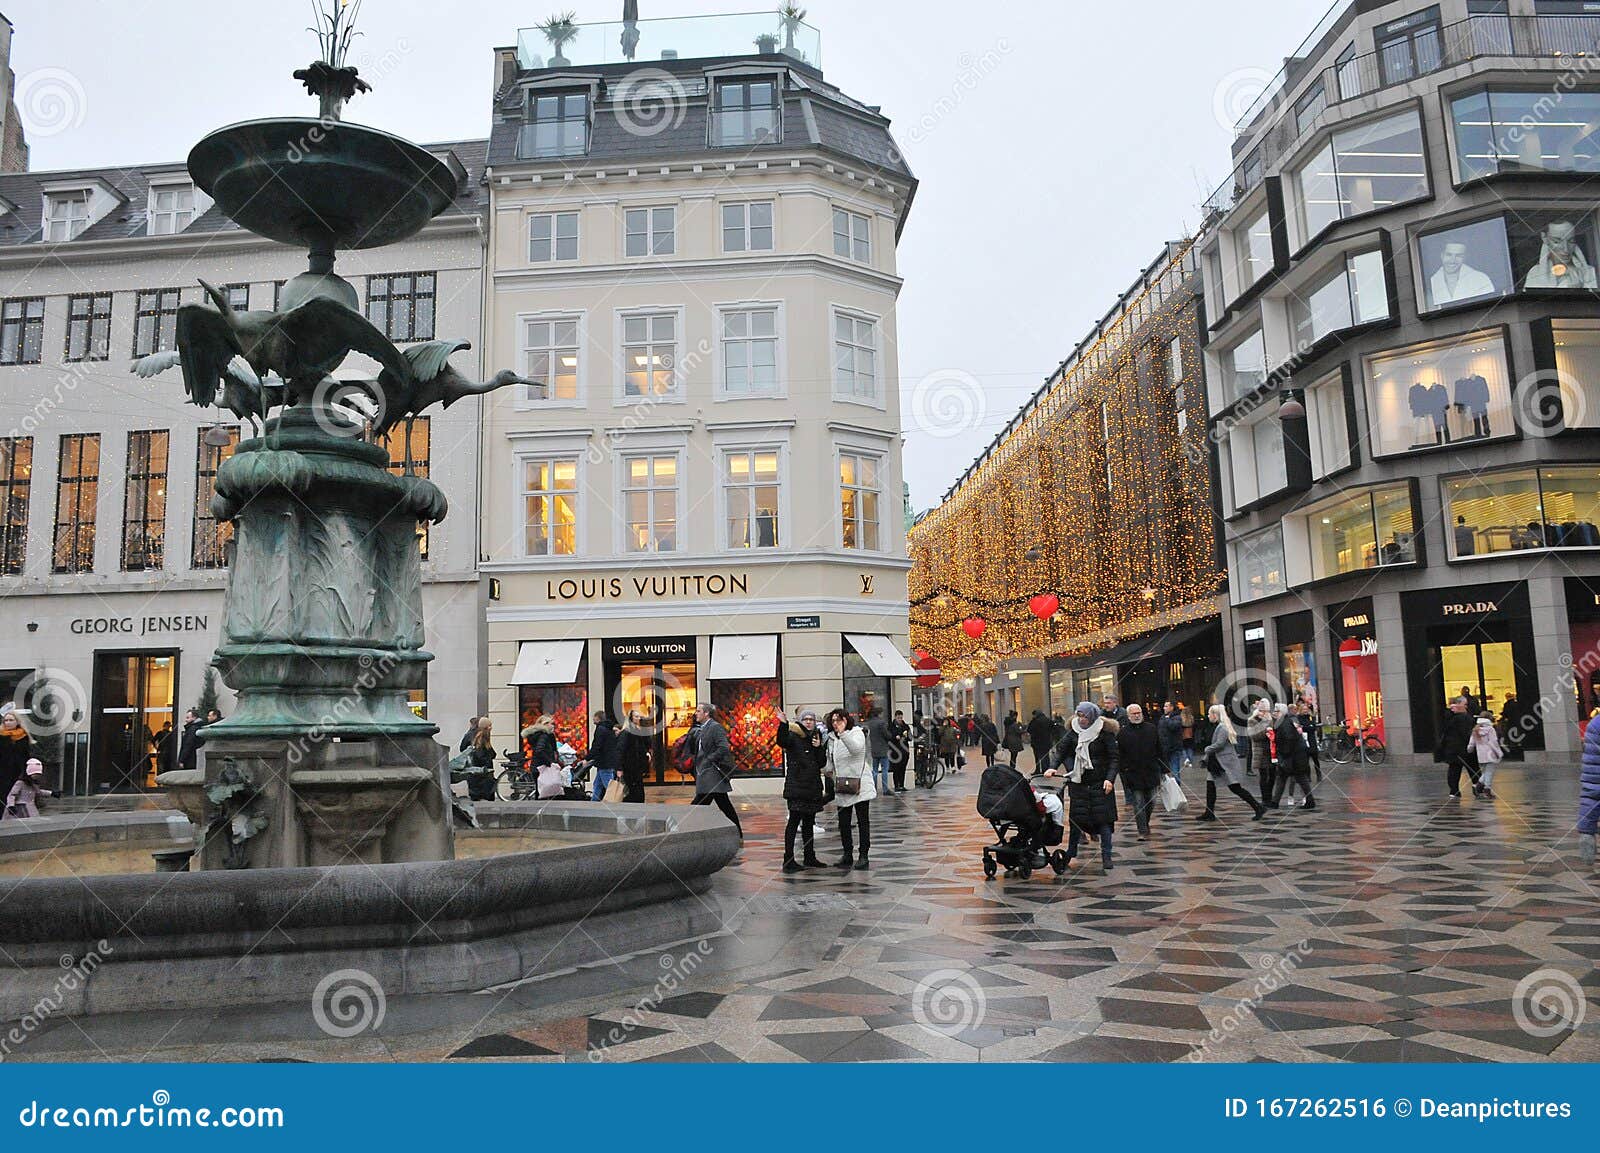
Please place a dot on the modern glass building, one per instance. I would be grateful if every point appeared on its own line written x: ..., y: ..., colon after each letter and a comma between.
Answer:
x: 1403, y: 371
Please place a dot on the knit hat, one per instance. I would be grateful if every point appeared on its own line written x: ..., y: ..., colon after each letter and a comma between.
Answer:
x: 34, y: 767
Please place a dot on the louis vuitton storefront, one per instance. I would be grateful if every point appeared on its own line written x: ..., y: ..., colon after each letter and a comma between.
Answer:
x: 755, y: 640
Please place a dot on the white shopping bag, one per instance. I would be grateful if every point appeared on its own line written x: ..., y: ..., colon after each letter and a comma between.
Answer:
x: 1172, y: 798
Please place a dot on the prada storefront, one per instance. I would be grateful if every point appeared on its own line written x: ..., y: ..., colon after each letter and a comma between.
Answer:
x: 1476, y: 642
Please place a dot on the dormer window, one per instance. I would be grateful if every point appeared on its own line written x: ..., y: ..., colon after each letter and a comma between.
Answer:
x: 558, y: 125
x: 171, y: 209
x: 66, y: 215
x: 745, y: 112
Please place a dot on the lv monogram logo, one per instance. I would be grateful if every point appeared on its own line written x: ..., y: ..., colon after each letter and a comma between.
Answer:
x: 866, y: 584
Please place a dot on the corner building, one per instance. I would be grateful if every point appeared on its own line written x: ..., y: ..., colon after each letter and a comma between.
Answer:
x: 1403, y: 367
x: 695, y: 250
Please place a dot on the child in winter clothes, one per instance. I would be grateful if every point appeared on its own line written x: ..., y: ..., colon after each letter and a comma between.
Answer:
x: 1484, y: 745
x: 22, y: 801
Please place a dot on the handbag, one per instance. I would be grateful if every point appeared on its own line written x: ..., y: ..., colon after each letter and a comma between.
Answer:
x: 613, y: 794
x: 847, y: 786
x: 1172, y: 798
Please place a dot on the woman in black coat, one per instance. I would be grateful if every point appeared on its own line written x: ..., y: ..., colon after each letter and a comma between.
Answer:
x: 804, y: 756
x: 634, y: 760
x: 1091, y: 777
x: 988, y: 741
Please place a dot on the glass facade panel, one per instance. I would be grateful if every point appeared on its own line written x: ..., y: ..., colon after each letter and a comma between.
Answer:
x: 1258, y: 566
x: 1363, y: 169
x: 1578, y: 371
x: 1547, y: 130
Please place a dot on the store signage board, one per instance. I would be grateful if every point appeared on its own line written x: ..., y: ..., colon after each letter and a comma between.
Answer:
x: 647, y: 649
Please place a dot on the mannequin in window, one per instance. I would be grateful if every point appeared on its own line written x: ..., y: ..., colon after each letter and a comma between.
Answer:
x: 1466, y: 539
x: 1472, y: 395
x: 1421, y: 425
x: 1561, y: 261
x: 1439, y: 412
x: 766, y: 528
x: 1455, y: 279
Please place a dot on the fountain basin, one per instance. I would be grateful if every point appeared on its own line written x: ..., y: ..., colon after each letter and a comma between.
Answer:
x: 321, y: 184
x: 227, y: 937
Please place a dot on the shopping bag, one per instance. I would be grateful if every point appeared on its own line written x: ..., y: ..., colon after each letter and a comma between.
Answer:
x: 1172, y: 798
x: 613, y: 794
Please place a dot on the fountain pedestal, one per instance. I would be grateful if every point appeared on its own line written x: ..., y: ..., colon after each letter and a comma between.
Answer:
x: 323, y: 761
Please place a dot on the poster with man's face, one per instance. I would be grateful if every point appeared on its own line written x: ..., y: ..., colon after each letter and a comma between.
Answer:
x: 1468, y: 262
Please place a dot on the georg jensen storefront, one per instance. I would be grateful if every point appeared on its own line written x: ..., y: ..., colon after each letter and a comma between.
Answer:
x: 754, y: 640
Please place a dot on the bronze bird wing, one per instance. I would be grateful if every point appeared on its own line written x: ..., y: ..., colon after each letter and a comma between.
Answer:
x: 324, y: 332
x: 206, y: 345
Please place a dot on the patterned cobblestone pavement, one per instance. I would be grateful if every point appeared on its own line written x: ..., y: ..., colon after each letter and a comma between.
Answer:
x: 1389, y: 925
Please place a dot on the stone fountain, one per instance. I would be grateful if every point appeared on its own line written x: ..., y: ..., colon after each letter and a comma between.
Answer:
x: 322, y: 811
x: 322, y: 761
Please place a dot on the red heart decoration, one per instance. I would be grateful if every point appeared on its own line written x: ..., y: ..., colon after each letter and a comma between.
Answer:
x: 1044, y: 605
x: 974, y: 626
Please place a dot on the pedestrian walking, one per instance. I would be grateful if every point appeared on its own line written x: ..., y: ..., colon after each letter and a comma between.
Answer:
x: 950, y: 745
x: 1263, y: 749
x: 1589, y: 790
x: 466, y: 737
x: 1483, y: 748
x: 1111, y: 706
x: 1013, y: 737
x: 988, y: 740
x: 480, y: 762
x: 1451, y: 750
x: 713, y: 764
x: 541, y: 739
x: 1220, y: 757
x: 1142, y: 765
x: 877, y: 728
x: 633, y: 758
x: 1088, y: 757
x: 899, y: 749
x: 804, y: 758
x: 1293, y: 759
x: 1311, y: 731
x: 605, y: 754
x: 22, y: 801
x: 1041, y: 735
x: 1170, y: 731
x: 849, y: 771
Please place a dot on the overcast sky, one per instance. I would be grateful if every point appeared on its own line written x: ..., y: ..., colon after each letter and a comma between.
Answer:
x: 1058, y: 144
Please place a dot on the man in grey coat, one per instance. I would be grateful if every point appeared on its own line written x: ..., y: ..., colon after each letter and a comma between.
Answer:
x: 713, y: 764
x: 877, y: 727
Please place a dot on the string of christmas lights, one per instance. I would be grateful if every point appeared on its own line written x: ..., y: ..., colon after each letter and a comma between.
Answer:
x: 1091, y: 520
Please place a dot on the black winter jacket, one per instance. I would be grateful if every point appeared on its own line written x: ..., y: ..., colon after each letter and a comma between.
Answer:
x: 1140, y: 756
x: 1453, y: 736
x: 1090, y: 805
x: 1170, y: 728
x: 604, y: 751
x: 802, y: 768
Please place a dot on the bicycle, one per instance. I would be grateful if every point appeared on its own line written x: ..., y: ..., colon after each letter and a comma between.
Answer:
x: 929, y: 771
x: 1344, y: 744
x: 516, y: 782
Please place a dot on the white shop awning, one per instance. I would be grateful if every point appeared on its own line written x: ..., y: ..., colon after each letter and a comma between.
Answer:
x: 880, y: 654
x: 739, y: 658
x: 547, y: 662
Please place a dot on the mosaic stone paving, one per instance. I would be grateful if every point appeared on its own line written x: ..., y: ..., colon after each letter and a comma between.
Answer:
x: 1389, y: 925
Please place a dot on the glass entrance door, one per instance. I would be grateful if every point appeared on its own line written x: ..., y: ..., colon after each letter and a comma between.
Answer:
x: 1485, y: 670
x: 662, y: 697
x: 133, y: 728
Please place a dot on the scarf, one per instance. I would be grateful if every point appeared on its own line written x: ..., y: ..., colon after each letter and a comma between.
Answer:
x: 1080, y: 756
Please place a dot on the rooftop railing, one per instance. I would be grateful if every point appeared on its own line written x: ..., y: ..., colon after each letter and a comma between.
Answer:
x: 1571, y: 39
x: 672, y: 38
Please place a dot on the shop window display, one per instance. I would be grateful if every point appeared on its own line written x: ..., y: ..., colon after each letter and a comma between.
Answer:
x: 1442, y: 392
x: 1521, y: 251
x: 1518, y: 509
x: 750, y: 709
x: 1578, y: 371
x: 568, y: 706
x: 1468, y: 262
x: 1364, y: 531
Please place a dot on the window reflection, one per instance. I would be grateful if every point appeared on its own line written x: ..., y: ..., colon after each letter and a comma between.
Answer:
x: 1258, y: 566
x: 1363, y: 169
x: 1498, y: 131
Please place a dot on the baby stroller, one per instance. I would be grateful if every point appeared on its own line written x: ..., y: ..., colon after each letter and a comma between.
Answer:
x: 1026, y: 826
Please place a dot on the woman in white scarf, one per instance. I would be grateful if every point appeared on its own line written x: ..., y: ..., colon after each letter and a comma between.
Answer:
x: 1087, y: 757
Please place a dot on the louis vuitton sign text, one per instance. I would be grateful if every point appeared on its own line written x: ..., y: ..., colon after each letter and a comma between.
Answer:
x: 647, y: 588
